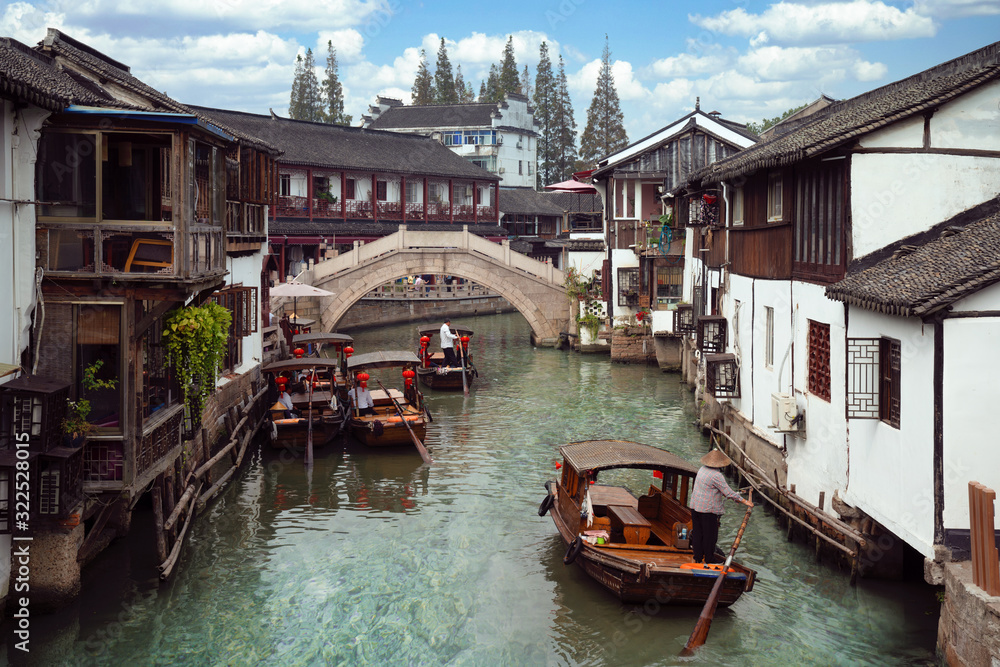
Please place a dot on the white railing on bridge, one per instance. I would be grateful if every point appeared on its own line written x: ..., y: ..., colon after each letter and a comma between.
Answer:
x: 400, y: 291
x: 405, y: 239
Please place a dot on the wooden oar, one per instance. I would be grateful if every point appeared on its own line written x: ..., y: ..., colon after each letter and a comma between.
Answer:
x: 416, y: 441
x: 461, y: 354
x: 700, y: 633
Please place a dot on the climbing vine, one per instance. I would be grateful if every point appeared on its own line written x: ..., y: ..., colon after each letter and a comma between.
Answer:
x: 196, y: 339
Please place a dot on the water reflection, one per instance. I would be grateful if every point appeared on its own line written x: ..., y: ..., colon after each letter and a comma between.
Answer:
x: 375, y: 558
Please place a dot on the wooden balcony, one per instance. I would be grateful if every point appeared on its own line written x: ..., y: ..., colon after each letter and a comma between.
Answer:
x: 762, y: 252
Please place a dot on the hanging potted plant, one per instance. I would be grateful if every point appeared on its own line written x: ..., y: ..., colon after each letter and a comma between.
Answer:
x: 77, y: 422
x: 196, y: 339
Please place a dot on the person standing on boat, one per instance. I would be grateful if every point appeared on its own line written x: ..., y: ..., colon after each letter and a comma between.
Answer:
x: 448, y: 344
x: 710, y: 491
x: 361, y: 399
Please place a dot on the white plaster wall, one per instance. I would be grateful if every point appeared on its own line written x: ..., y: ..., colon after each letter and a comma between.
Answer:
x: 586, y: 262
x: 971, y: 368
x: 818, y: 461
x: 8, y: 333
x: 985, y: 299
x: 777, y: 377
x: 904, y: 134
x: 970, y: 121
x: 247, y: 270
x: 892, y: 470
x: 896, y: 195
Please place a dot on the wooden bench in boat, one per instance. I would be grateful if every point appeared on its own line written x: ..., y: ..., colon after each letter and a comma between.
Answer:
x: 663, y: 514
x: 633, y: 526
x: 381, y: 399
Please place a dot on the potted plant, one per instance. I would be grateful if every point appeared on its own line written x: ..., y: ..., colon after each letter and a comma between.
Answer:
x: 590, y: 322
x: 77, y: 424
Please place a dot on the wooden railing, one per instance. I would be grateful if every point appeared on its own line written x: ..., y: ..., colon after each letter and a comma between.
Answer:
x: 985, y: 563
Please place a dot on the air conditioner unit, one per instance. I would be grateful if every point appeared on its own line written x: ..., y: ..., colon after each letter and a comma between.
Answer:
x: 785, y: 414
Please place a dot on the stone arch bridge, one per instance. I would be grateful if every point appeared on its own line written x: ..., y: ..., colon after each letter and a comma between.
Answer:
x: 534, y: 288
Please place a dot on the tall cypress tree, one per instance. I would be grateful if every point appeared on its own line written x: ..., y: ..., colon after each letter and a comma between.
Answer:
x: 493, y: 93
x: 444, y: 81
x: 306, y: 103
x: 423, y: 86
x: 295, y: 100
x: 333, y: 91
x: 545, y: 90
x: 509, y: 81
x: 564, y: 125
x: 526, y: 87
x: 605, y: 130
x: 463, y: 91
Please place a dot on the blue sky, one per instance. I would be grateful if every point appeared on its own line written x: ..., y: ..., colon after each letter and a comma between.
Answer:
x: 748, y: 60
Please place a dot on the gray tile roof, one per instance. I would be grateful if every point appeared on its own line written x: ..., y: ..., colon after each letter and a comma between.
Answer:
x: 576, y: 203
x: 841, y: 123
x: 437, y: 115
x: 368, y: 228
x: 525, y: 201
x: 340, y: 147
x: 927, y: 272
x: 93, y: 72
x: 33, y: 77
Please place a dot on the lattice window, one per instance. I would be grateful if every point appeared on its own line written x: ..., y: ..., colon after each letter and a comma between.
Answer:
x: 103, y: 461
x: 889, y: 375
x: 242, y: 303
x: 628, y: 287
x: 722, y: 375
x: 684, y: 321
x: 862, y: 378
x: 712, y: 331
x: 819, y: 359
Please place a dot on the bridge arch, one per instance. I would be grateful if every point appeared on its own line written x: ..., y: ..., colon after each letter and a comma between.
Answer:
x: 534, y: 288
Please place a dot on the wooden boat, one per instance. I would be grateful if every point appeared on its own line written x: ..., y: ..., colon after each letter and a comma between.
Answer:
x: 632, y: 544
x: 328, y: 346
x: 317, y: 402
x: 432, y: 371
x: 386, y: 428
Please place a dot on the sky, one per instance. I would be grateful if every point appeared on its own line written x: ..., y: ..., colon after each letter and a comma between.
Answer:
x: 747, y: 59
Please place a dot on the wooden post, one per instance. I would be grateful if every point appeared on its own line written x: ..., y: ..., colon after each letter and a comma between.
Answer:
x: 822, y: 497
x: 161, y: 539
x: 985, y: 565
x: 206, y: 453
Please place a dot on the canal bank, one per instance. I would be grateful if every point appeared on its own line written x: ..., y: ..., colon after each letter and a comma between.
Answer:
x: 374, y: 558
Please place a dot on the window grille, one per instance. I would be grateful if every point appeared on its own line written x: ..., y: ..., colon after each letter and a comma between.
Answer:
x: 768, y: 336
x: 684, y: 320
x: 628, y: 287
x: 819, y: 359
x: 712, y: 333
x: 862, y: 378
x: 722, y: 375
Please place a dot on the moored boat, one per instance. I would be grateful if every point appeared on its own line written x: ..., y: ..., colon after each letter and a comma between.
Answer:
x: 316, y: 404
x: 635, y: 546
x: 400, y: 415
x: 432, y: 370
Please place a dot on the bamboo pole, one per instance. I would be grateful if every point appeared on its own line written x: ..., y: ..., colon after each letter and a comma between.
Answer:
x: 161, y: 538
x: 167, y: 566
x: 179, y: 508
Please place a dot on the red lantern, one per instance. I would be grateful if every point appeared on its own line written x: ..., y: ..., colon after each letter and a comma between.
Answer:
x: 298, y: 352
x: 709, y: 199
x: 465, y: 343
x: 409, y: 374
x: 348, y: 351
x: 425, y: 341
x: 280, y: 381
x: 363, y: 380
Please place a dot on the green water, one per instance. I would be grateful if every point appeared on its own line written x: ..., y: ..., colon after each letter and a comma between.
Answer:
x: 375, y: 559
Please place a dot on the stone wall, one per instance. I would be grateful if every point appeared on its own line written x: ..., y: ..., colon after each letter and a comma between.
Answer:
x: 668, y: 352
x: 370, y: 312
x: 969, y: 627
x: 633, y: 345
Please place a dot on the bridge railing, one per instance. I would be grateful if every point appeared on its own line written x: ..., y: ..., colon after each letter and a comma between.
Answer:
x: 405, y: 239
x: 442, y: 291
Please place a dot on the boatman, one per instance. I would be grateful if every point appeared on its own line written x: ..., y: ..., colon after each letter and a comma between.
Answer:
x: 710, y: 490
x: 361, y: 399
x: 448, y: 344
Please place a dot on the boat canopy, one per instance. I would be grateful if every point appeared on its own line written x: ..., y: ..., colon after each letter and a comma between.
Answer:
x: 430, y: 331
x: 303, y: 364
x: 384, y: 359
x: 321, y: 337
x: 607, y: 454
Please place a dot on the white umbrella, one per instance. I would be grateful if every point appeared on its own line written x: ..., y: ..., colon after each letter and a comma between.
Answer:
x: 295, y: 289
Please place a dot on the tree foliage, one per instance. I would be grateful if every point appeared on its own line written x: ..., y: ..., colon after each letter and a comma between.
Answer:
x: 491, y: 89
x: 463, y: 90
x: 564, y: 129
x: 605, y: 130
x: 306, y: 101
x: 526, y: 88
x: 196, y: 338
x: 767, y: 123
x: 333, y: 90
x: 510, y: 81
x: 423, y: 86
x: 444, y: 80
x: 544, y: 101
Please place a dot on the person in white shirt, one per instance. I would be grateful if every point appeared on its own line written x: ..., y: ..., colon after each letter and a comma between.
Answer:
x: 448, y: 344
x: 361, y: 399
x: 286, y: 402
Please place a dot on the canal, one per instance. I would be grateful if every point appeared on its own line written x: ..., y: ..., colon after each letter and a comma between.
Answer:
x: 374, y: 558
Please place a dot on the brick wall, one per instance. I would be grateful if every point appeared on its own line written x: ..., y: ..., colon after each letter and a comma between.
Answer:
x: 633, y: 345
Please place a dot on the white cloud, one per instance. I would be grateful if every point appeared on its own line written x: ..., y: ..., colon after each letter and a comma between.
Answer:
x: 774, y: 63
x: 349, y: 44
x: 823, y: 23
x: 948, y: 9
x: 371, y: 15
x: 691, y: 64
